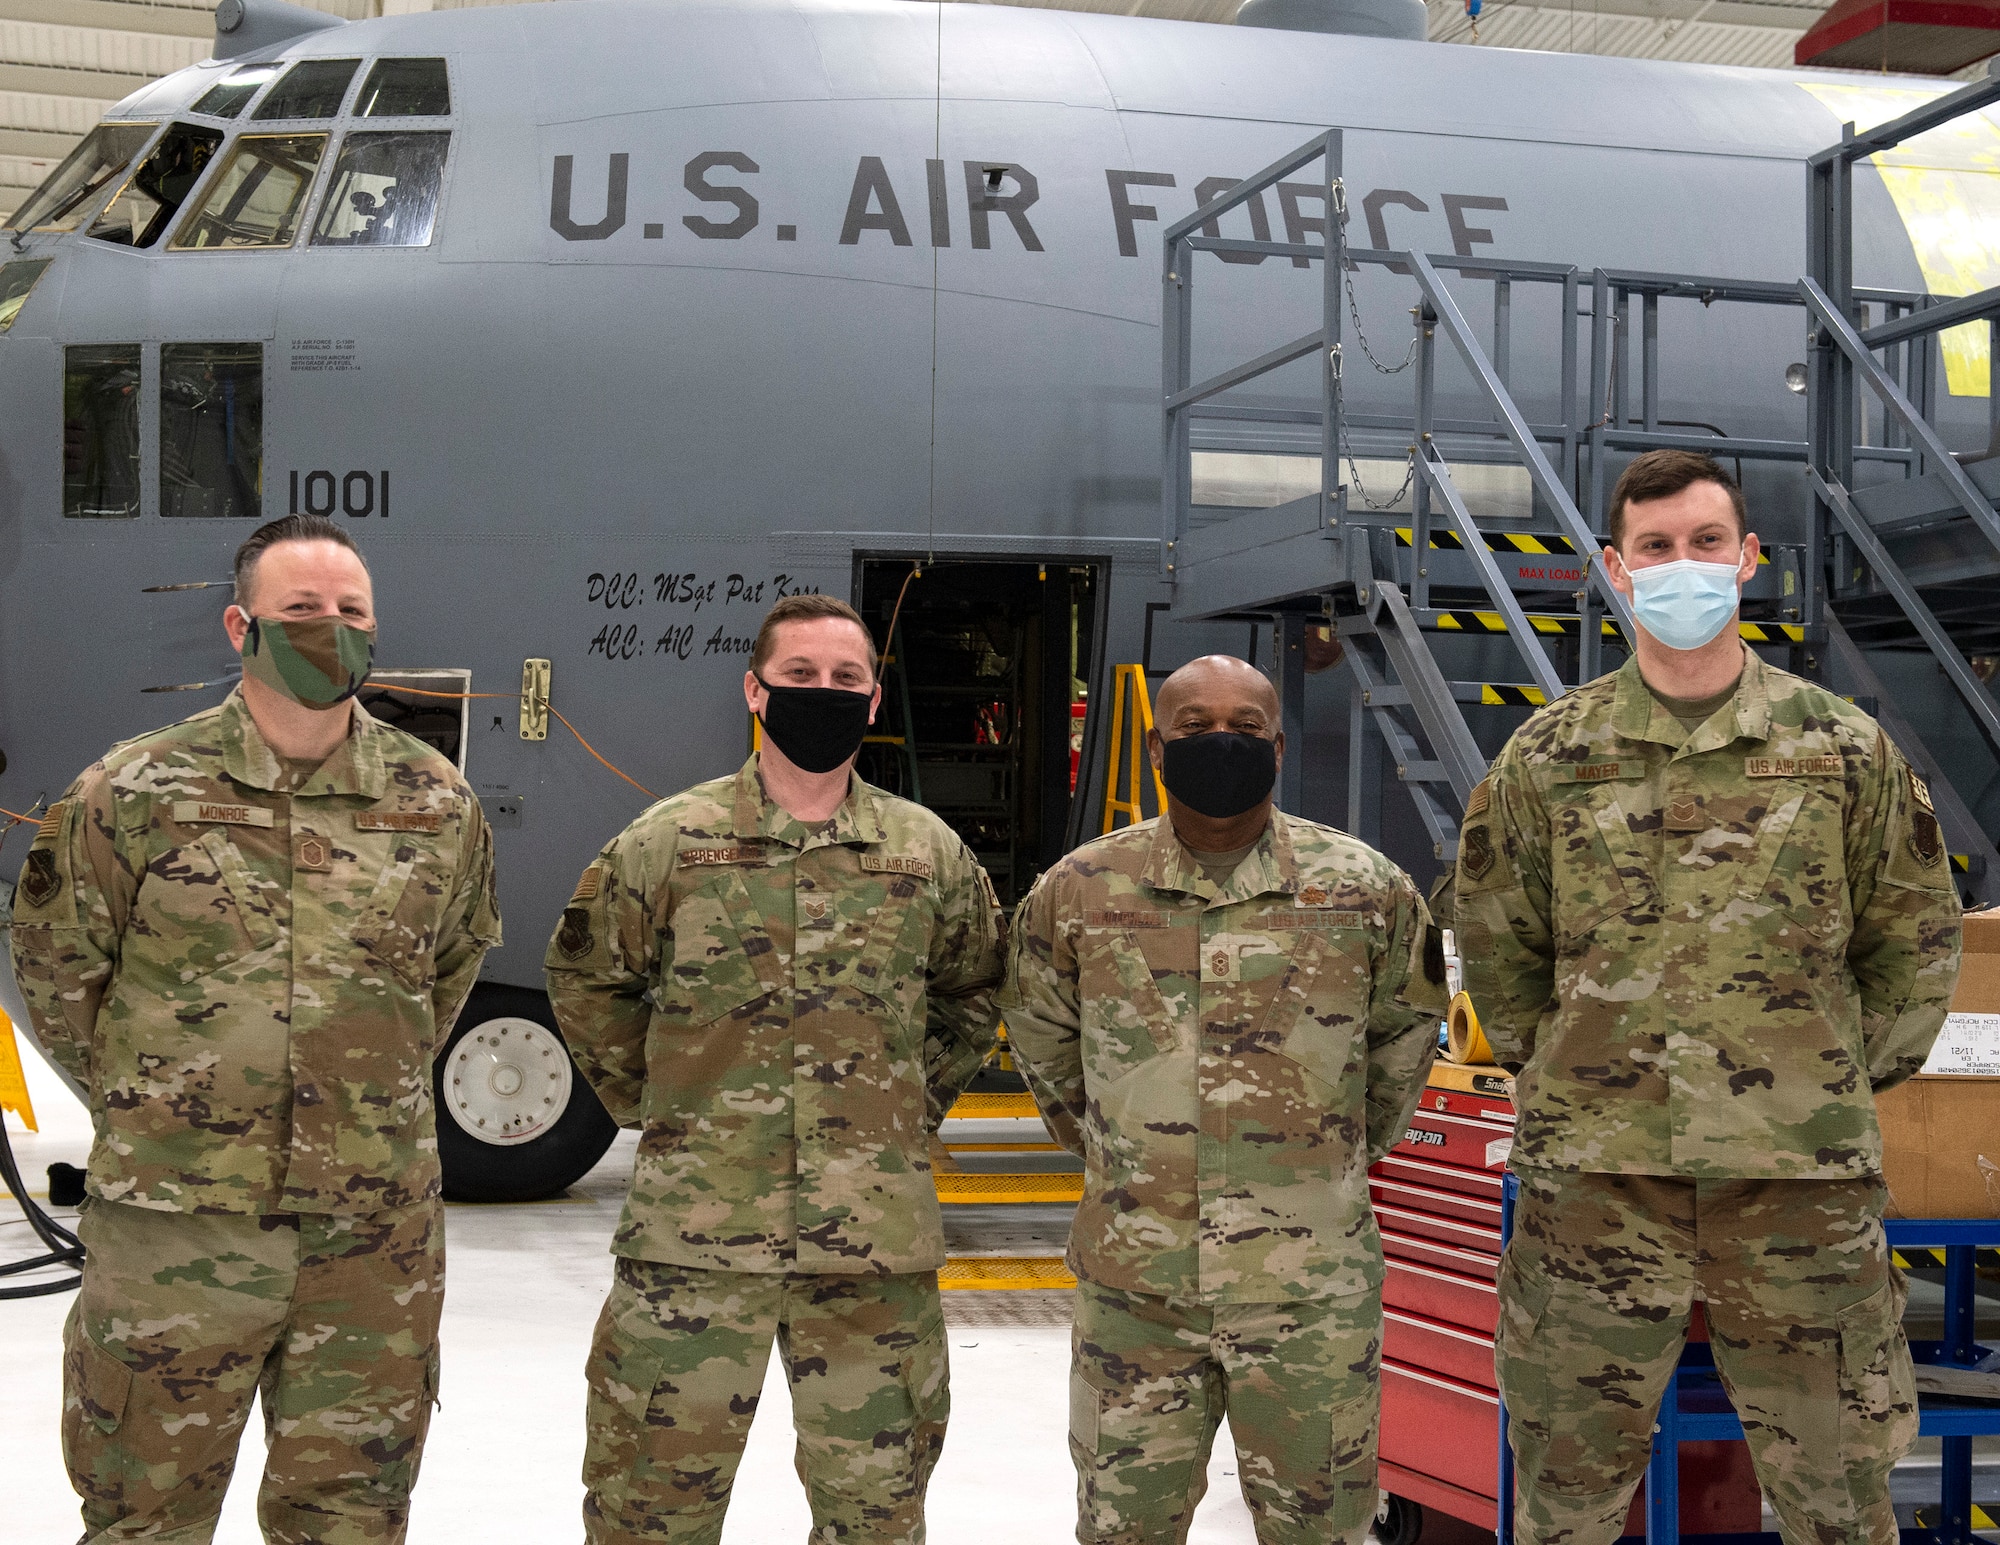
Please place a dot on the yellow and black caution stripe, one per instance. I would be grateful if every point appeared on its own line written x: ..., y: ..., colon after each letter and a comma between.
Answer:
x: 1005, y: 1273
x: 1498, y: 694
x: 1918, y: 1257
x: 1496, y: 541
x: 1493, y: 622
x: 987, y: 1190
x: 1984, y: 1516
x: 1772, y: 632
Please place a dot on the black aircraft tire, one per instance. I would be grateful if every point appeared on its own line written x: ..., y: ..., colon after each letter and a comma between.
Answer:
x: 543, y: 1166
x: 1398, y: 1520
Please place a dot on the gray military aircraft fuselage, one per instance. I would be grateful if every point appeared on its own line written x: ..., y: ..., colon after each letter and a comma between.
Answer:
x: 605, y: 325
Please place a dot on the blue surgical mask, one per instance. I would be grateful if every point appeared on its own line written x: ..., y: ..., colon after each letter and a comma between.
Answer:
x: 1685, y: 603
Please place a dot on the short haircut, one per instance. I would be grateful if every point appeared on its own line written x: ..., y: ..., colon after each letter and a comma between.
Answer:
x: 806, y: 608
x: 291, y: 528
x: 1661, y: 475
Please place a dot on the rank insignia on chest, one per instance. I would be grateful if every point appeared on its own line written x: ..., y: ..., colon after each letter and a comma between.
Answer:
x: 1218, y: 963
x: 573, y: 938
x: 39, y: 880
x: 314, y: 854
x: 1312, y: 896
x: 1477, y: 854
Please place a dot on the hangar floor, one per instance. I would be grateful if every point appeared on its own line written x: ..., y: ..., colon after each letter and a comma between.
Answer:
x: 526, y: 1282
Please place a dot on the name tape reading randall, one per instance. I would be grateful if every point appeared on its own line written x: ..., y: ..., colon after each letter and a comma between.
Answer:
x: 195, y: 811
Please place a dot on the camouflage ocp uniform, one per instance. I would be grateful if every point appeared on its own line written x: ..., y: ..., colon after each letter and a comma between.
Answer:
x: 1703, y: 950
x: 249, y: 973
x: 785, y: 1012
x: 1227, y: 1059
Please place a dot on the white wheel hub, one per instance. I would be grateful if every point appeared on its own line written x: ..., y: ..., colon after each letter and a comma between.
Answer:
x: 507, y: 1081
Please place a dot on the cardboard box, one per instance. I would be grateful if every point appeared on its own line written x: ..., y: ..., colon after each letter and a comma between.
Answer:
x: 1941, y: 1131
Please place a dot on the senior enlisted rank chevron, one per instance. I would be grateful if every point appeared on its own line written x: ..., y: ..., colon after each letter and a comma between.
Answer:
x: 783, y: 978
x: 1227, y: 1013
x: 1705, y: 910
x: 245, y: 936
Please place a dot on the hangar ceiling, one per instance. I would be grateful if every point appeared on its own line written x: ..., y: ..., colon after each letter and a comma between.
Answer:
x: 63, y: 61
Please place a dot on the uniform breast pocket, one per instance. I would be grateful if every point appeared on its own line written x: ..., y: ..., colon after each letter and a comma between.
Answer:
x: 874, y: 938
x: 1132, y: 983
x: 399, y: 922
x: 204, y: 899
x: 1319, y: 1004
x: 712, y: 968
x: 1595, y: 858
x: 1802, y: 855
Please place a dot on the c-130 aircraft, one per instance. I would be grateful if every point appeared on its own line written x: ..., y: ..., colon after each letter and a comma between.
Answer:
x: 607, y: 324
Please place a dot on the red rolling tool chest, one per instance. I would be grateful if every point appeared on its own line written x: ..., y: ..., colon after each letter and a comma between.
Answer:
x: 1437, y: 1205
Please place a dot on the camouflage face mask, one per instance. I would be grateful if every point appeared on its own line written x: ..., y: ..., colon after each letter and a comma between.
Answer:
x: 318, y: 663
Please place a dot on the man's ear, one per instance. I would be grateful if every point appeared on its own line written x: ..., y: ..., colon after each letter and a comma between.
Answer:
x: 1156, y: 749
x: 1752, y: 549
x: 235, y: 623
x: 1278, y: 743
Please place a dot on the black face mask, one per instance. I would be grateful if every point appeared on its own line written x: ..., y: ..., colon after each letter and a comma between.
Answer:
x: 817, y: 728
x: 1221, y: 774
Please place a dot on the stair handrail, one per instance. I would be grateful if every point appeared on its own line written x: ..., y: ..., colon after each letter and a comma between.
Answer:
x: 1543, y: 475
x: 1831, y: 327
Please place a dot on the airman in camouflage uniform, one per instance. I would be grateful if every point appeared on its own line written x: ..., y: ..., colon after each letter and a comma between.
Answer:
x: 1702, y: 935
x: 785, y: 1009
x: 1228, y: 1040
x: 248, y: 963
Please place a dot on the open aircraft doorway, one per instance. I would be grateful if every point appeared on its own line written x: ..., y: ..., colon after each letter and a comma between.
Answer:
x: 984, y: 686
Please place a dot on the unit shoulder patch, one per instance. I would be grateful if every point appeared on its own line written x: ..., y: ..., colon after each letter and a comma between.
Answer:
x: 40, y: 880
x: 573, y: 938
x: 895, y: 863
x: 398, y: 821
x: 1794, y: 766
x: 1476, y: 852
x: 200, y: 812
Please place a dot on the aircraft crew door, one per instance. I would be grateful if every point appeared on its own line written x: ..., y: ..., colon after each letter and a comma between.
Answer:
x: 983, y: 689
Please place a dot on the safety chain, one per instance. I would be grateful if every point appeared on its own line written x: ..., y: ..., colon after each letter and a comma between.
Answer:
x: 1354, y: 472
x: 1354, y: 311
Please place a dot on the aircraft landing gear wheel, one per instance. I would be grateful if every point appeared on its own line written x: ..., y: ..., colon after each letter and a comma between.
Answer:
x: 1398, y: 1520
x: 515, y: 1121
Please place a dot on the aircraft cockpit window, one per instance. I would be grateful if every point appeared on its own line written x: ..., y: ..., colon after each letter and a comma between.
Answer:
x: 101, y: 431
x: 257, y: 198
x: 147, y: 204
x: 16, y: 280
x: 384, y: 191
x: 405, y: 88
x: 230, y: 95
x: 212, y: 429
x: 312, y: 88
x: 61, y: 201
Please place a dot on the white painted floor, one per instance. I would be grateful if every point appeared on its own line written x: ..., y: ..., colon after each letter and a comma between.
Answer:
x: 505, y: 1449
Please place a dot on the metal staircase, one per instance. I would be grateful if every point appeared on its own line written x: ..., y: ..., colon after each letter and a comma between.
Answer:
x: 1458, y: 620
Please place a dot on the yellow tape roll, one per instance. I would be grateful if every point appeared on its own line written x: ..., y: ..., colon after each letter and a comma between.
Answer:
x: 1465, y: 1041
